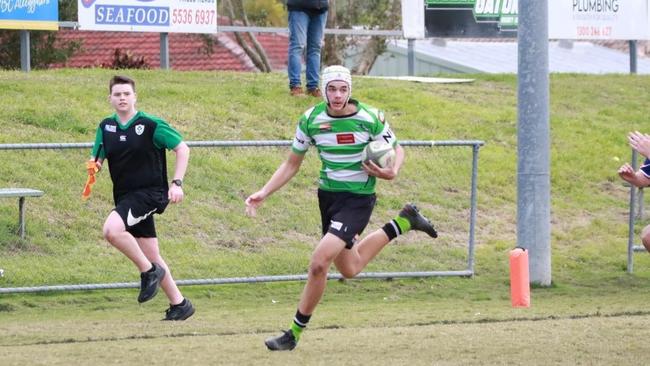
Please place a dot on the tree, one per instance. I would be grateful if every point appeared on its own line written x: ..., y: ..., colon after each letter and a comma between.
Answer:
x: 367, y: 14
x: 266, y: 13
x: 236, y: 11
x: 44, y: 47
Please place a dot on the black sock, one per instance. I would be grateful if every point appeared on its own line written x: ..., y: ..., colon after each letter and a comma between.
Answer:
x: 392, y: 230
x: 302, y: 319
x: 153, y: 268
x: 182, y: 303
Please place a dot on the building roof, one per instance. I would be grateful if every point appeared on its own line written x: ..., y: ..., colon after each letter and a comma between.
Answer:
x: 186, y: 51
x: 501, y: 57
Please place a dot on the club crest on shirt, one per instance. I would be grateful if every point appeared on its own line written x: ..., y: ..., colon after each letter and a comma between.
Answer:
x: 139, y: 129
x: 325, y: 127
x: 110, y: 128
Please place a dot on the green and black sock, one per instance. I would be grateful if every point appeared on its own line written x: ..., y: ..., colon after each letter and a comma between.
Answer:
x: 299, y: 324
x: 397, y: 226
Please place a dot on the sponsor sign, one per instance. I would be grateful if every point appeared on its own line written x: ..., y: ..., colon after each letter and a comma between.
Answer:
x: 503, y: 12
x: 471, y: 18
x: 599, y: 19
x: 449, y: 4
x: 161, y: 16
x: 568, y: 19
x: 29, y: 14
x: 413, y: 19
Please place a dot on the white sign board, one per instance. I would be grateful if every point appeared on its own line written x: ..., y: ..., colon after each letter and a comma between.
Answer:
x: 599, y: 19
x: 413, y: 19
x: 160, y: 16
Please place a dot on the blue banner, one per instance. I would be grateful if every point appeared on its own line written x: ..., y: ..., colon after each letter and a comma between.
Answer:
x: 29, y: 14
x: 41, y: 10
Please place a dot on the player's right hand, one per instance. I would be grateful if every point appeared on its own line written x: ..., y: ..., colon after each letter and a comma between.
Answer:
x: 626, y: 172
x: 253, y: 202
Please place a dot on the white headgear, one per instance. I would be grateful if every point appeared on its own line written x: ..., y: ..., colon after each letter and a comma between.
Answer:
x: 335, y: 73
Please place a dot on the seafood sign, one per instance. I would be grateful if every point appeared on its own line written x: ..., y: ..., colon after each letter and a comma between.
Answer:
x: 186, y: 16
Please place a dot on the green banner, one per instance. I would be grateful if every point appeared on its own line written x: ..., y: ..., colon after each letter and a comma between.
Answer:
x: 503, y: 12
x: 446, y: 4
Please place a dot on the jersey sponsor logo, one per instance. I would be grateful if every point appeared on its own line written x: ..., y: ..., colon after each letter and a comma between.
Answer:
x: 345, y: 138
x: 131, y: 220
x: 336, y: 225
x: 122, y: 137
x: 110, y: 128
x: 139, y: 129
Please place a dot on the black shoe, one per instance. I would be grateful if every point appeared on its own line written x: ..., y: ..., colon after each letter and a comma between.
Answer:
x: 149, y: 283
x: 284, y: 342
x: 418, y: 222
x: 180, y: 311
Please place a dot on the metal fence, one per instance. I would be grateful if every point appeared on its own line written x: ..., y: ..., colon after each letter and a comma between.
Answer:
x: 468, y: 271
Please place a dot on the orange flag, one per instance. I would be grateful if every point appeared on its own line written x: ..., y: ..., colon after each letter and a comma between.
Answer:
x: 91, y: 166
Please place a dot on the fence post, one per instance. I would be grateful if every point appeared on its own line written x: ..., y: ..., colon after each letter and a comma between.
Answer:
x: 411, y: 57
x: 630, y: 235
x: 472, y: 213
x: 25, y: 57
x: 633, y: 54
x: 164, y: 51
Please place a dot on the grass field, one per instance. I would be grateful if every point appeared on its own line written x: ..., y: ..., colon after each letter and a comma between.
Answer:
x: 594, y: 313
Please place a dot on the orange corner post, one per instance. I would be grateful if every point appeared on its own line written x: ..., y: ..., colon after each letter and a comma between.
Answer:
x: 519, y: 278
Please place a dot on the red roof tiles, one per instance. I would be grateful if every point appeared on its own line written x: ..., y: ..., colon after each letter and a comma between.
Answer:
x: 186, y: 51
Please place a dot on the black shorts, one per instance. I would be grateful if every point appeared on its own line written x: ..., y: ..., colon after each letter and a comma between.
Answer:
x: 345, y: 214
x: 136, y: 209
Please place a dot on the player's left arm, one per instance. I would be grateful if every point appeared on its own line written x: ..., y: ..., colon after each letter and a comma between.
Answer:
x: 383, y: 132
x: 167, y: 137
x: 389, y: 172
x: 182, y: 152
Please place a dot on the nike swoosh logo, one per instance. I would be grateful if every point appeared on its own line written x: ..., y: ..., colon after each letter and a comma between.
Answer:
x: 130, y: 220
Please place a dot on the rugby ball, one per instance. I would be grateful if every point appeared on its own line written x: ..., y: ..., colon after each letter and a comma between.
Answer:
x: 379, y: 152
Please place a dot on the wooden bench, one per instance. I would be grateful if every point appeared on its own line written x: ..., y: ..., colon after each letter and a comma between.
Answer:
x: 21, y: 193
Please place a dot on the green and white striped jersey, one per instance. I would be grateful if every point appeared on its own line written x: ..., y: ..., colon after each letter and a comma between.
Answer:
x: 340, y: 141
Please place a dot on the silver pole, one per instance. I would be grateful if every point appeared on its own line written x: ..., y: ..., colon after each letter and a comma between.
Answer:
x: 633, y: 54
x: 164, y: 51
x: 533, y: 140
x: 411, y: 56
x: 21, y: 217
x: 472, y: 213
x: 233, y: 280
x: 630, y: 229
x: 25, y: 58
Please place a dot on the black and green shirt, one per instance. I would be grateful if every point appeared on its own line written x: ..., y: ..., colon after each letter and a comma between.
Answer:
x: 136, y: 151
x: 340, y: 141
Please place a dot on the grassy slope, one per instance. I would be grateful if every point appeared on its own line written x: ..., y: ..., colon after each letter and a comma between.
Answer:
x: 208, y: 236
